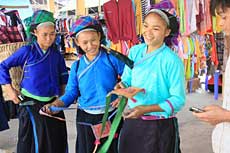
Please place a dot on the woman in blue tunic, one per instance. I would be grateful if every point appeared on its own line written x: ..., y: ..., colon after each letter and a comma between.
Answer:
x: 44, y: 78
x: 91, y: 78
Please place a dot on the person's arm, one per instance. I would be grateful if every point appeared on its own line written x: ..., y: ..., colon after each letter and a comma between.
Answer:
x: 16, y: 59
x: 12, y: 93
x: 72, y: 89
x: 63, y: 75
x: 63, y: 89
x: 138, y: 111
x: 56, y: 103
x: 176, y: 82
x: 214, y: 114
x: 70, y: 94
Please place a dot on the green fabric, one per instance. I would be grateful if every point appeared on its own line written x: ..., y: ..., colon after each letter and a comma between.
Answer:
x: 42, y: 16
x: 182, y: 16
x: 188, y: 72
x: 42, y: 99
x: 114, y: 125
x: 38, y: 17
x: 191, y: 44
x: 106, y: 114
x: 214, y: 23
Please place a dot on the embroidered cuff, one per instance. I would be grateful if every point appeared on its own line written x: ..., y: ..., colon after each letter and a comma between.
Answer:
x: 167, y: 107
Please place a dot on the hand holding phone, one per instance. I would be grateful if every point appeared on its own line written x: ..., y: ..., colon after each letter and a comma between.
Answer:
x: 196, y: 110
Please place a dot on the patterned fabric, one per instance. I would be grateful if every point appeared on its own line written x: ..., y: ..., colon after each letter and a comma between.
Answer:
x: 14, y: 34
x: 219, y: 39
x: 42, y: 16
x: 86, y: 138
x: 86, y: 22
x: 83, y: 23
x: 166, y: 4
x: 9, y: 35
x: 3, y: 33
x: 11, y: 28
x: 38, y: 17
x: 144, y: 8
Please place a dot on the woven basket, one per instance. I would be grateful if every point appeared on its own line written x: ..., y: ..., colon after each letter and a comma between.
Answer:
x: 15, y: 73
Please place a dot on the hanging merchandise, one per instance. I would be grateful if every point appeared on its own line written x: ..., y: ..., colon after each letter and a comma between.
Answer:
x: 120, y: 21
x: 139, y: 16
x: 63, y: 41
x: 11, y: 28
x: 219, y: 39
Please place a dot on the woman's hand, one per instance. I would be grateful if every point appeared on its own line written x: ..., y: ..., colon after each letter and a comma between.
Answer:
x: 56, y: 103
x: 12, y: 93
x: 116, y: 102
x: 136, y: 112
x: 119, y: 85
x: 128, y: 92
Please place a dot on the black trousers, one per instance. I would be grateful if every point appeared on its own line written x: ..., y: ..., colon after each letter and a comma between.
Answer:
x: 156, y: 136
x: 3, y: 118
x: 51, y: 134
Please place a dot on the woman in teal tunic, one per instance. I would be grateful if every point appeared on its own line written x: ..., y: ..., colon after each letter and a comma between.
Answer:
x: 150, y: 125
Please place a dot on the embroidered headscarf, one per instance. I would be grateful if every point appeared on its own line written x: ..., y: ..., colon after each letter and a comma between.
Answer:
x: 86, y: 23
x: 38, y: 17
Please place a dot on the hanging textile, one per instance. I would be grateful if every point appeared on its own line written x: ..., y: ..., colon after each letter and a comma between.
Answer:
x: 120, y: 21
x: 11, y: 28
x: 63, y: 41
x: 139, y: 17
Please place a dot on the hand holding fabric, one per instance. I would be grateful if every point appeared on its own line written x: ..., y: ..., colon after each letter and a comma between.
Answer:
x: 56, y: 103
x: 12, y: 93
x: 128, y: 92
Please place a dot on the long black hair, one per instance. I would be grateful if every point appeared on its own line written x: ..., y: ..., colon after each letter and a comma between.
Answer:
x: 217, y: 4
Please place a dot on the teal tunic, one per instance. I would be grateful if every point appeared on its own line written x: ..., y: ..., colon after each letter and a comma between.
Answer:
x: 161, y: 74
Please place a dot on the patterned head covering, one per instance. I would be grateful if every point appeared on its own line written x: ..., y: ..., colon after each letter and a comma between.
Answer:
x: 85, y: 23
x: 38, y: 17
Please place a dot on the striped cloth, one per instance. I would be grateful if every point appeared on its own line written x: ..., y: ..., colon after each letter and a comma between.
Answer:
x: 83, y: 23
x: 144, y: 8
